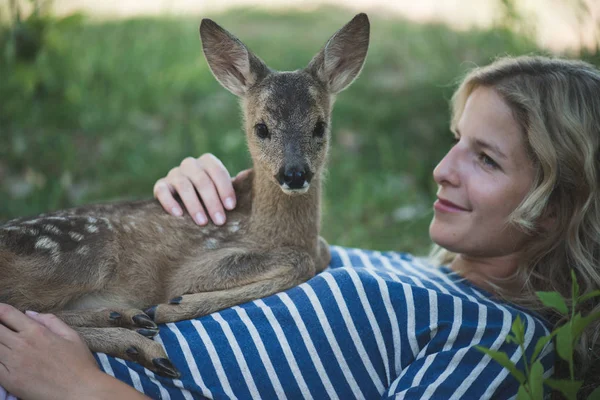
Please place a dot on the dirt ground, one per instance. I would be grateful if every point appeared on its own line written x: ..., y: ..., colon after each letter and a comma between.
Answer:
x: 557, y: 24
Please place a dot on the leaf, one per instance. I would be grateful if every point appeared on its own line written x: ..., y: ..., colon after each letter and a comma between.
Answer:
x: 588, y: 296
x: 502, y: 359
x: 567, y: 387
x: 536, y: 381
x: 564, y: 343
x: 554, y: 300
x: 580, y: 323
x: 574, y: 289
x: 523, y: 394
x: 595, y: 395
x: 518, y: 329
x: 541, y: 344
x: 510, y: 338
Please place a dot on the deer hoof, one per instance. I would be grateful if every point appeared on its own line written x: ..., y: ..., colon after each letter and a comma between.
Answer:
x: 149, y: 333
x: 144, y: 321
x: 151, y: 311
x: 166, y: 368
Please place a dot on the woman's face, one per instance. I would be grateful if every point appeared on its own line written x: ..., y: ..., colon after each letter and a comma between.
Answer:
x: 481, y: 181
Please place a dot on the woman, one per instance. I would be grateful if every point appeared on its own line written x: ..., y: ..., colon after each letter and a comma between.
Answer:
x: 518, y: 208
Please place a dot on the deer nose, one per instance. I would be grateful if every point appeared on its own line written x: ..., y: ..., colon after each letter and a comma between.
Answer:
x: 293, y: 177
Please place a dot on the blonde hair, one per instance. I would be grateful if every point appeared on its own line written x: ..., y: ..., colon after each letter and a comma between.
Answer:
x: 557, y: 104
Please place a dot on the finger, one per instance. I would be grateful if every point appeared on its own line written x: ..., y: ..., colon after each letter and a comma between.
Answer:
x: 208, y: 193
x: 221, y: 178
x: 7, y: 337
x: 54, y: 324
x: 14, y: 319
x: 188, y: 195
x: 164, y: 194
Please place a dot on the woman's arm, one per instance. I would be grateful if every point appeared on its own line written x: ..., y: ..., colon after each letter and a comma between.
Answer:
x: 43, y: 358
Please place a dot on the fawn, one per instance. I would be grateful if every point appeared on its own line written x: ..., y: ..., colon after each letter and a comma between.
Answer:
x: 98, y: 266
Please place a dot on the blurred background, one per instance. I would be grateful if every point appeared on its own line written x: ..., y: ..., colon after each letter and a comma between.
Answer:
x: 99, y: 99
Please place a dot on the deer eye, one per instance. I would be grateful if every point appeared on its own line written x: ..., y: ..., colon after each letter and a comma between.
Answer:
x: 319, y: 130
x: 261, y: 131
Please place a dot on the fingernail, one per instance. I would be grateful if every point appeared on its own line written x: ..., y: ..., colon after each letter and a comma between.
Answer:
x: 200, y: 218
x: 229, y: 203
x: 219, y: 218
x: 176, y: 211
x: 31, y: 313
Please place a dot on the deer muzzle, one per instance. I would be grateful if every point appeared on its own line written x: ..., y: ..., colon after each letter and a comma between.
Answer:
x: 294, y: 179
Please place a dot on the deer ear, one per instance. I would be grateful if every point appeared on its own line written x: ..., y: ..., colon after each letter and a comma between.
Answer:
x: 339, y: 62
x: 234, y: 66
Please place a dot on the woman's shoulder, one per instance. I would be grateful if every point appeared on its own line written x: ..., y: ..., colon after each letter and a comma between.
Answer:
x: 410, y: 272
x: 412, y: 281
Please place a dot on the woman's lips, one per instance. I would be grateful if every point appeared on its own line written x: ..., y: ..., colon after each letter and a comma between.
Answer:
x: 447, y: 206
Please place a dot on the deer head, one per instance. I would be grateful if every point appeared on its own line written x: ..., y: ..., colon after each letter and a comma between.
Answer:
x: 287, y: 114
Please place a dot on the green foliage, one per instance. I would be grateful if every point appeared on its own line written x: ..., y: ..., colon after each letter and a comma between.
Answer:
x: 565, y: 335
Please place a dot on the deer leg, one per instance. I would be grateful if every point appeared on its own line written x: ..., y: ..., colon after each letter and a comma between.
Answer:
x: 280, y: 270
x: 128, y: 345
x: 111, y: 318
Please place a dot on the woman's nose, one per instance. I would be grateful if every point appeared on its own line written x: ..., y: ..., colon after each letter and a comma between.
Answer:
x: 446, y: 172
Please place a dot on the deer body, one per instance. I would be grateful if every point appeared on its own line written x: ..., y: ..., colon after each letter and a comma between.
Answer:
x: 97, y: 267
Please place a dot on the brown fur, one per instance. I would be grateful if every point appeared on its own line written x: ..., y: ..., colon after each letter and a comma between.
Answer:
x: 98, y: 266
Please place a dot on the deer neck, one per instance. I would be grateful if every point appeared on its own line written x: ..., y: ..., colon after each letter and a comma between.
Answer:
x: 294, y: 220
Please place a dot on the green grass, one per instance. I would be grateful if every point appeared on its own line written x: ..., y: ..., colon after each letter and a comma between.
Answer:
x: 107, y: 108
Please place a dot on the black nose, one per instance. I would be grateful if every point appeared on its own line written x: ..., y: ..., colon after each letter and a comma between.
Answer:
x: 293, y: 177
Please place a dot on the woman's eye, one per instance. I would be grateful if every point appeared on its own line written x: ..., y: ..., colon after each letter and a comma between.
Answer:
x: 261, y: 131
x: 319, y: 130
x: 488, y: 161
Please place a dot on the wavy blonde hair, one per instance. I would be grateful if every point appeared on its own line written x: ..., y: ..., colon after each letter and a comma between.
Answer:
x: 557, y: 104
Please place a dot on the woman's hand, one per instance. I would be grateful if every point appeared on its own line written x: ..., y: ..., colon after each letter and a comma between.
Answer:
x: 43, y: 358
x: 198, y: 181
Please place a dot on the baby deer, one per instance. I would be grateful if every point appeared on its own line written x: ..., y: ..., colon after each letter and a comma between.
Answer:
x: 98, y: 266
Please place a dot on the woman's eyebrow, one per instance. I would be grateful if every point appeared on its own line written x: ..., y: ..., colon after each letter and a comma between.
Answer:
x: 490, y: 146
x: 485, y: 145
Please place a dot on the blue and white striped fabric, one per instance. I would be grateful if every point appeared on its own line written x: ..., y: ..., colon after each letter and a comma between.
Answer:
x: 373, y: 325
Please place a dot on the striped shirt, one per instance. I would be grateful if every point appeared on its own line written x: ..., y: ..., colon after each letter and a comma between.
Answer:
x: 372, y: 325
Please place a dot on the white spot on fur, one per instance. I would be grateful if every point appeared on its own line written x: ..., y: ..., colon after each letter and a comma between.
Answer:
x: 78, y: 237
x: 92, y: 220
x: 83, y: 250
x: 211, y: 243
x: 108, y: 224
x: 52, y: 229
x: 12, y: 228
x: 46, y: 243
x: 234, y: 226
x: 31, y: 231
x: 57, y: 218
x: 91, y: 228
x: 31, y: 222
x: 126, y: 228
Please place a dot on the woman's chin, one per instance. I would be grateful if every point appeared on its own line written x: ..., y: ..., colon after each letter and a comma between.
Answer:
x: 443, y: 237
